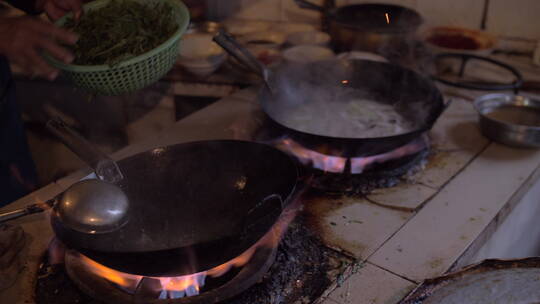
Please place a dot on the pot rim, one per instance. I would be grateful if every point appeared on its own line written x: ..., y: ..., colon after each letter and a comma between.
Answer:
x: 402, y: 28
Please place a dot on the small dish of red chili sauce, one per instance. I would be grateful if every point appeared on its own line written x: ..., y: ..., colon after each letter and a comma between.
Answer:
x: 453, y: 41
x: 459, y: 39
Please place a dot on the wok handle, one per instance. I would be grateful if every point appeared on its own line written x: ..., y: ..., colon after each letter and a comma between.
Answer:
x: 268, y: 206
x: 229, y: 44
x: 447, y: 104
x: 105, y: 168
x: 268, y: 199
x: 308, y: 5
x: 435, y: 116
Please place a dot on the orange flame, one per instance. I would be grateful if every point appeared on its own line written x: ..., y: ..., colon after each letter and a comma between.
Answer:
x: 117, y: 277
x: 318, y: 160
x: 336, y: 164
x: 190, y: 285
x: 387, y: 18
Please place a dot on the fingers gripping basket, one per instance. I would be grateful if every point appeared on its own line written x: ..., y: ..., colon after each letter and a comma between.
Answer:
x: 135, y: 73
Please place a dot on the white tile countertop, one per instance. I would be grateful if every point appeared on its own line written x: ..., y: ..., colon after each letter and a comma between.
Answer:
x: 400, y: 236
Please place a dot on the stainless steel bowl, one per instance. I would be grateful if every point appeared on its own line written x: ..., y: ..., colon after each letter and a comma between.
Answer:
x: 510, y: 119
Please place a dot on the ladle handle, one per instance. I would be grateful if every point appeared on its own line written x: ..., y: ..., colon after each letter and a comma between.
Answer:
x: 105, y: 168
x: 15, y: 214
x: 229, y: 44
x: 308, y: 5
x: 268, y: 207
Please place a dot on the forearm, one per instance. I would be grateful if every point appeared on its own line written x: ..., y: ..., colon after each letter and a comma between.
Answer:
x: 28, y: 6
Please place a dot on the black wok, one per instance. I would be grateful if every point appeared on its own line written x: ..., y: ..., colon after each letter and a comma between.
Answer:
x: 368, y: 26
x: 413, y: 96
x: 193, y: 206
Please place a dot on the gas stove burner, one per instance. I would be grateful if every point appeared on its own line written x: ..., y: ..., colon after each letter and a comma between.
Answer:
x: 301, y: 271
x: 210, y: 286
x: 359, y: 175
x: 349, y: 165
x: 356, y: 174
x: 387, y: 175
x: 482, y: 86
x: 181, y: 290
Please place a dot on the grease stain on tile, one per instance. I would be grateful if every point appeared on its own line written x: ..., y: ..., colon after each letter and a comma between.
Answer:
x: 436, y: 263
x: 351, y: 223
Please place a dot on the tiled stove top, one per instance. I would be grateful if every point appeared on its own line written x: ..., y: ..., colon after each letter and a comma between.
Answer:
x: 421, y: 228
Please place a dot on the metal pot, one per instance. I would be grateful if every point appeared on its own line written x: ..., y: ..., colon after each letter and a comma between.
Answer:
x: 368, y: 27
x: 510, y: 119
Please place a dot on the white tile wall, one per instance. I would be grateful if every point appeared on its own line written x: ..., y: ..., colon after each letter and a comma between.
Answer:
x: 458, y: 12
x: 517, y: 18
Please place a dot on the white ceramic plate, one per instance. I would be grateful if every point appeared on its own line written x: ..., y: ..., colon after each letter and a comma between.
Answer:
x: 199, y: 46
x: 362, y: 55
x: 289, y: 28
x: 308, y: 38
x: 200, y: 55
x: 268, y: 38
x: 244, y: 27
x: 307, y: 53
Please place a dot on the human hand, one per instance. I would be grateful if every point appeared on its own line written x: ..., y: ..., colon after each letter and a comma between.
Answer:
x: 24, y: 38
x: 55, y: 9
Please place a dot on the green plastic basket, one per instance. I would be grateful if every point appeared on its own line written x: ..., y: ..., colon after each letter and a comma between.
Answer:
x: 133, y: 74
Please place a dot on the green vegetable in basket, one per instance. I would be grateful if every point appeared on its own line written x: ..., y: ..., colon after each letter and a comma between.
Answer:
x: 121, y: 30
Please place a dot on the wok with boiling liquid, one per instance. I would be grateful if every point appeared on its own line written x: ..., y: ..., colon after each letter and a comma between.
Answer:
x: 293, y: 86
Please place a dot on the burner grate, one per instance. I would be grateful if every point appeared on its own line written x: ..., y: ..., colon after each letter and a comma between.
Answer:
x: 385, y: 175
x: 302, y: 271
x: 377, y: 175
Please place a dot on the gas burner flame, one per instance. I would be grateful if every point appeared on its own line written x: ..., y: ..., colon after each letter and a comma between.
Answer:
x: 337, y: 164
x: 188, y: 285
x: 387, y: 17
x: 185, y: 286
x: 170, y: 287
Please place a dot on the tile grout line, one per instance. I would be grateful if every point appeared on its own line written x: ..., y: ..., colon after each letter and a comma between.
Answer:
x: 428, y: 200
x: 347, y: 273
x: 391, y: 207
x: 475, y: 156
x: 393, y: 273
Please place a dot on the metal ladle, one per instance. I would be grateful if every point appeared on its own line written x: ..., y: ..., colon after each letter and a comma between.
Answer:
x: 89, y: 206
x: 92, y: 206
x: 235, y: 49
